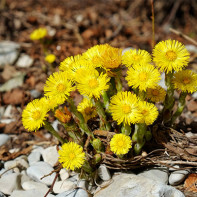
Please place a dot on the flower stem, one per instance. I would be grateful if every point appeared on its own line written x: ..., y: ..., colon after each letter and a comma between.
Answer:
x: 106, y: 101
x: 118, y: 83
x: 126, y: 129
x: 180, y: 108
x: 102, y: 115
x: 48, y: 127
x: 80, y: 120
x: 142, y: 95
x: 138, y: 137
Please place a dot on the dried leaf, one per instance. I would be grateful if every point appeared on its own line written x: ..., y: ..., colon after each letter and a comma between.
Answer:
x: 191, y: 183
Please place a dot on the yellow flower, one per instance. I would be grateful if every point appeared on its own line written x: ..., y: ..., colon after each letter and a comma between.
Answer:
x: 38, y: 34
x: 87, y: 109
x: 58, y: 87
x: 148, y: 111
x: 156, y: 94
x: 124, y: 108
x: 50, y: 58
x: 136, y: 57
x: 143, y: 77
x: 34, y: 115
x: 120, y: 144
x: 185, y: 80
x: 50, y: 103
x: 170, y: 55
x: 90, y: 83
x: 71, y: 156
x: 68, y: 62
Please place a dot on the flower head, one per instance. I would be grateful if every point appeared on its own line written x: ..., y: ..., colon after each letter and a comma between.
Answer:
x: 120, y: 144
x: 38, y: 34
x: 136, y: 57
x: 90, y: 83
x: 50, y: 58
x: 170, y: 55
x: 58, y: 86
x: 156, y: 94
x: 34, y: 115
x: 87, y: 109
x: 185, y: 80
x: 50, y: 103
x: 148, y: 111
x: 143, y: 77
x: 124, y: 108
x: 71, y: 156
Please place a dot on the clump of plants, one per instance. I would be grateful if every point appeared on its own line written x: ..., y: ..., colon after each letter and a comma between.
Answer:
x: 125, y: 116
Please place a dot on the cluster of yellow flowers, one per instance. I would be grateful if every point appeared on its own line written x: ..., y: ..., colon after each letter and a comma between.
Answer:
x: 96, y: 75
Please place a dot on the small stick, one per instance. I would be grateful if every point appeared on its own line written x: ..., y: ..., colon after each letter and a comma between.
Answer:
x: 183, y: 36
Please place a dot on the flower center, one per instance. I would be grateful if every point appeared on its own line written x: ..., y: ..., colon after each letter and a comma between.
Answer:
x: 155, y: 92
x: 143, y: 76
x: 136, y: 57
x: 171, y: 55
x: 88, y: 110
x: 144, y: 112
x: 61, y: 87
x: 36, y: 115
x: 126, y: 109
x: 72, y: 156
x: 186, y: 80
x: 120, y: 143
x: 93, y: 83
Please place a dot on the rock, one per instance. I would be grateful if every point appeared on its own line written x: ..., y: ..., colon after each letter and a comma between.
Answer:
x: 156, y: 174
x: 6, y: 173
x: 35, y: 94
x: 37, y: 170
x: 13, y: 83
x: 2, y: 195
x: 82, y: 184
x: 131, y: 185
x: 18, y: 162
x: 191, y: 48
x: 3, y: 139
x: 9, y: 183
x: 8, y: 52
x: 74, y: 193
x: 104, y: 173
x: 24, y: 61
x: 28, y: 185
x: 74, y: 178
x: 177, y: 177
x: 8, y: 111
x: 50, y: 155
x: 34, y: 157
x: 30, y: 193
x: 61, y: 186
x: 162, y: 81
x: 37, y: 149
x: 25, y: 178
x: 64, y: 174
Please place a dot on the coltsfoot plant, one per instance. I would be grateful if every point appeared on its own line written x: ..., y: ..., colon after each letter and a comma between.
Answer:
x: 97, y: 76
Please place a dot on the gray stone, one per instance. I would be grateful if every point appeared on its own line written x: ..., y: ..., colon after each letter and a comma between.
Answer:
x: 34, y: 157
x: 61, y: 186
x: 8, y: 111
x: 162, y: 81
x: 64, y: 174
x: 35, y: 94
x: 8, y: 52
x: 37, y: 149
x: 191, y: 48
x: 131, y: 185
x: 37, y: 170
x: 30, y: 193
x: 9, y: 183
x: 104, y: 173
x: 28, y: 185
x: 18, y: 162
x: 156, y: 174
x: 4, y: 172
x: 25, y: 178
x: 82, y: 184
x: 74, y: 193
x: 24, y: 61
x: 2, y: 195
x: 50, y: 155
x: 178, y: 176
x: 3, y: 139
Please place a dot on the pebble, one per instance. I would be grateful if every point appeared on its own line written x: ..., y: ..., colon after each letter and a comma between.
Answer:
x: 3, y: 139
x: 8, y: 111
x: 28, y: 185
x: 37, y: 170
x: 131, y: 185
x: 156, y: 174
x: 82, y: 184
x: 6, y: 173
x: 61, y: 186
x: 178, y: 176
x: 2, y: 195
x: 35, y: 94
x: 9, y: 183
x: 18, y: 162
x: 74, y: 193
x: 24, y: 178
x: 29, y: 193
x: 24, y: 61
x: 64, y: 174
x: 104, y: 173
x: 50, y: 155
x: 34, y: 157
